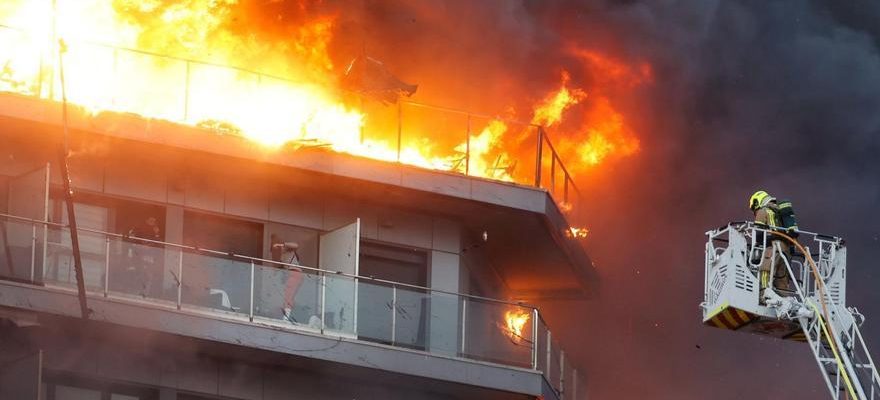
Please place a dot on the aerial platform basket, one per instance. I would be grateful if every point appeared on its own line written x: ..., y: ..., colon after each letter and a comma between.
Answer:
x: 813, y: 311
x: 732, y: 291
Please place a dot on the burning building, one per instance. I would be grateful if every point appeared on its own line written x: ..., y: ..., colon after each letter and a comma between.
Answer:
x: 244, y: 234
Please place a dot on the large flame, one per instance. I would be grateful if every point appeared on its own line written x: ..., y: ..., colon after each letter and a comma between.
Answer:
x: 604, y: 131
x: 549, y: 111
x: 516, y: 320
x: 191, y: 62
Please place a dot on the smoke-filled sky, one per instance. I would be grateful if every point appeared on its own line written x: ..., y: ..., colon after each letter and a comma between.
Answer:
x: 742, y: 95
x: 746, y: 95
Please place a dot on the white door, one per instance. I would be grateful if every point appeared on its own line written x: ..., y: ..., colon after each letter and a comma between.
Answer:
x: 29, y: 198
x: 338, y: 251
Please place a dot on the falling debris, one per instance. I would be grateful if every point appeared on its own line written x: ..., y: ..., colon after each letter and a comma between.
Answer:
x: 369, y: 76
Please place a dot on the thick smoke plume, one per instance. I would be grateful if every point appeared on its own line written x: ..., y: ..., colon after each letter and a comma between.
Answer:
x: 746, y: 95
x: 723, y: 98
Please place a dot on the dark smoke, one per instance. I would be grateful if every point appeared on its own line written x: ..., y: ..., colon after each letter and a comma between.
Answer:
x: 747, y: 95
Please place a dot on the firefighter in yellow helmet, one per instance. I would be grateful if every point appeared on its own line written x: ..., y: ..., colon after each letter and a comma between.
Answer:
x: 772, y: 264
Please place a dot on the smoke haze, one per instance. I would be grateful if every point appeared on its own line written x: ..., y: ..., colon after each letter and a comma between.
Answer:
x: 746, y: 95
x: 732, y: 97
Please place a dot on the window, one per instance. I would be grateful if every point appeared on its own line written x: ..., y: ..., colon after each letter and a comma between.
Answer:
x: 225, y: 234
x: 105, y: 214
x: 74, y: 388
x: 404, y: 324
x: 218, y: 281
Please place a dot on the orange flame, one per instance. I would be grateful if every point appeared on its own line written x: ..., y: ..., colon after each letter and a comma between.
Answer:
x: 577, y: 233
x: 604, y: 131
x: 185, y: 62
x: 608, y: 134
x: 549, y: 111
x: 516, y: 320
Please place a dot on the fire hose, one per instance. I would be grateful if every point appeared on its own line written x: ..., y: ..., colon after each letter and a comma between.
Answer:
x: 824, y: 322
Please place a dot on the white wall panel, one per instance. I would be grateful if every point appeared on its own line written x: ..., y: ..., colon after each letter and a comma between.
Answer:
x: 136, y: 178
x: 406, y: 228
x: 247, y: 198
x: 447, y: 235
x: 339, y: 212
x: 288, y: 206
x: 204, y: 191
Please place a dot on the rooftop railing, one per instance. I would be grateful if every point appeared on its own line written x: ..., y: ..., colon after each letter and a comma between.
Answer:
x: 253, y: 290
x: 178, y: 94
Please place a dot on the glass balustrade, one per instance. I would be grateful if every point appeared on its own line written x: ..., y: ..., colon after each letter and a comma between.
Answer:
x: 288, y: 296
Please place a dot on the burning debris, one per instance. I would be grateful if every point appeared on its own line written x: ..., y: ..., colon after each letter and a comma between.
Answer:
x: 577, y: 233
x: 369, y: 77
x: 516, y: 320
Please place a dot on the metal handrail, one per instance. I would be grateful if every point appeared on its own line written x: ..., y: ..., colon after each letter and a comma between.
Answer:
x: 542, y: 135
x: 771, y: 229
x: 289, y: 266
x: 552, y: 352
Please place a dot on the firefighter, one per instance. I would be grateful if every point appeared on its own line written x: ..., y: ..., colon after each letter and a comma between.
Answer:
x: 772, y: 264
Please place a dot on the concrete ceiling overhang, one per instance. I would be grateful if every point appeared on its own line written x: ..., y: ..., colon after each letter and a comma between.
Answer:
x: 526, y: 229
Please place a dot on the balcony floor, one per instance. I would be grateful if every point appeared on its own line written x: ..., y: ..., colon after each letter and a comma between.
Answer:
x: 465, y: 378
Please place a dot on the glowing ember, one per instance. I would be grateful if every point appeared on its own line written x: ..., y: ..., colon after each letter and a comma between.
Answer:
x: 577, y: 233
x: 516, y: 320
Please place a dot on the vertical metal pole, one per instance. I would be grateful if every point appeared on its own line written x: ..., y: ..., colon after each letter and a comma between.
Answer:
x: 115, y: 72
x: 33, y: 251
x: 40, y: 75
x: 706, y: 263
x: 553, y: 172
x: 463, y: 323
x: 562, y: 373
x: 538, y: 157
x: 186, y: 94
x: 393, y: 313
x: 106, y: 265
x: 534, y: 338
x: 323, y: 300
x: 467, y: 155
x: 548, y: 365
x: 68, y: 190
x: 251, y: 311
x: 363, y: 127
x: 53, y: 41
x: 565, y: 193
x: 399, y: 127
x: 179, y: 278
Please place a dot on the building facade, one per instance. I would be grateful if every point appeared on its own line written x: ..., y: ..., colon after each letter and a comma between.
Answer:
x: 215, y: 269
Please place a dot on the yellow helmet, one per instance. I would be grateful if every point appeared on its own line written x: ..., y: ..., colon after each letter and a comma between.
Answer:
x: 758, y: 199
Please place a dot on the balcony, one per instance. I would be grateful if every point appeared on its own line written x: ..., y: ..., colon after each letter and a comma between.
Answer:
x: 532, y: 198
x: 409, y: 132
x: 220, y: 287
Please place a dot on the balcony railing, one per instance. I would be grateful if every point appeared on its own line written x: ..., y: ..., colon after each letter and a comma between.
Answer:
x: 232, y: 286
x: 453, y: 135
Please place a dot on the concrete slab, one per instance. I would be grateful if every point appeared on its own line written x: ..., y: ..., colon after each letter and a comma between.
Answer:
x: 396, y: 226
x: 203, y: 375
x: 508, y: 195
x: 362, y: 168
x: 435, y: 182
